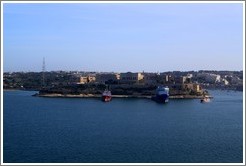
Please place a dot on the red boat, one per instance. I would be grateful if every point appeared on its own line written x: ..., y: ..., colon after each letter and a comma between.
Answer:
x: 106, y: 96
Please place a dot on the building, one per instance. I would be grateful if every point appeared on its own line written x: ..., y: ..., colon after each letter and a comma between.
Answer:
x: 209, y: 78
x: 131, y: 78
x: 191, y: 86
x: 180, y: 80
x: 150, y: 78
x: 197, y: 88
x: 166, y: 78
x: 232, y: 79
x: 225, y: 81
x: 107, y: 78
x: 83, y: 80
x: 87, y: 79
x: 189, y: 75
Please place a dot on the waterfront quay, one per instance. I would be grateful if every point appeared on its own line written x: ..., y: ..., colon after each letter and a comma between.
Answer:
x: 116, y: 96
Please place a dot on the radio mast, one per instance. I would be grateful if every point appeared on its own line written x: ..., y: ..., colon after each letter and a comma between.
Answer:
x: 43, y: 73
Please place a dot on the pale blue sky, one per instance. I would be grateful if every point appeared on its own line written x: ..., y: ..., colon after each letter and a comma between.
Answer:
x: 123, y: 37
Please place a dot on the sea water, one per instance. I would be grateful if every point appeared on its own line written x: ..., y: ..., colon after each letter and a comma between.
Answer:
x: 83, y: 130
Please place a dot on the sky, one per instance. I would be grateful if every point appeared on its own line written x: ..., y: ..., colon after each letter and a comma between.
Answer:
x: 122, y: 37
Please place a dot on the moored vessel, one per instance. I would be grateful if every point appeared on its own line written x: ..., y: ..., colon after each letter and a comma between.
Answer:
x: 106, y: 96
x: 205, y: 99
x: 162, y: 94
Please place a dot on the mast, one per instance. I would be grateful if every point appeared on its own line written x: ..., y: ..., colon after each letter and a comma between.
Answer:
x: 43, y: 73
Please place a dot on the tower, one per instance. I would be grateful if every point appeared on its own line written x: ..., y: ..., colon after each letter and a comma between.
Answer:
x: 43, y: 73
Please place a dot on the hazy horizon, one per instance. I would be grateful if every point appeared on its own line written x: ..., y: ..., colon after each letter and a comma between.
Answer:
x: 123, y: 37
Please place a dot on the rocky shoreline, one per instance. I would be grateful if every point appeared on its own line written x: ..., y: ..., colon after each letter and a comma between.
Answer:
x: 116, y: 96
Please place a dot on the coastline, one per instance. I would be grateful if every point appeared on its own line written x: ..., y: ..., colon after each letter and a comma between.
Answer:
x: 55, y: 95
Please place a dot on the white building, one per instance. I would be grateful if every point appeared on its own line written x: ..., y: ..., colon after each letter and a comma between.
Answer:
x: 210, y: 78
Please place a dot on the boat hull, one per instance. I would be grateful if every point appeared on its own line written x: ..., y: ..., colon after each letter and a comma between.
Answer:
x: 205, y: 100
x: 106, y: 98
x: 163, y: 98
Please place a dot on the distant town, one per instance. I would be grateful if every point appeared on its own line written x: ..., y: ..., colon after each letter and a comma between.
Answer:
x: 188, y: 83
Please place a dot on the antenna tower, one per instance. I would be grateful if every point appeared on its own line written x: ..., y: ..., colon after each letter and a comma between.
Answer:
x: 43, y: 73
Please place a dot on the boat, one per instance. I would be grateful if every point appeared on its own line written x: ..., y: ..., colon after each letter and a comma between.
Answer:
x: 106, y: 96
x: 205, y: 99
x: 162, y: 94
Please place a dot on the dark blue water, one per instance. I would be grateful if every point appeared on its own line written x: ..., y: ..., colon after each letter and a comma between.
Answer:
x: 47, y: 130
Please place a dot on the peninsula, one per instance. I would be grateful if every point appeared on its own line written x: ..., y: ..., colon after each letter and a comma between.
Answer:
x: 189, y: 84
x: 126, y: 85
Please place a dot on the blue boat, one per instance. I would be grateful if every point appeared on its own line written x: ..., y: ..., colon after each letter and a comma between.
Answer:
x: 162, y: 94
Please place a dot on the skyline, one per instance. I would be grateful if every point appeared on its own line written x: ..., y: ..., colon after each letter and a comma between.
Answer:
x: 123, y: 37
